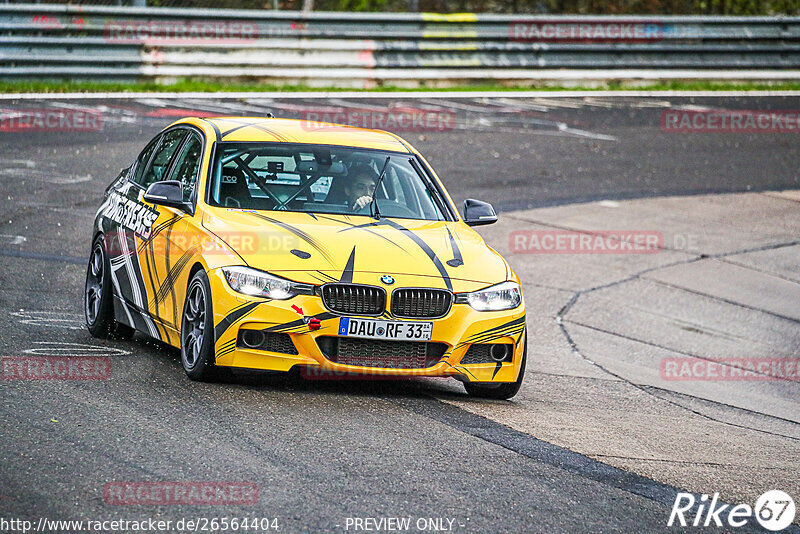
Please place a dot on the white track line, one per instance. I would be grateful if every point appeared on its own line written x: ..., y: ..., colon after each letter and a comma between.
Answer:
x: 393, y: 95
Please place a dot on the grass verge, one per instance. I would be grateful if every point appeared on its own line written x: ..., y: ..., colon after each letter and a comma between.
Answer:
x: 215, y: 87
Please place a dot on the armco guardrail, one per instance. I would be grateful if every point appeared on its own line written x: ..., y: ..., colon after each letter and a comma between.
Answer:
x: 59, y: 41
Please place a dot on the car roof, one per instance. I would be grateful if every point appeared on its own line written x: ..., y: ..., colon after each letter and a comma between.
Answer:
x: 266, y: 129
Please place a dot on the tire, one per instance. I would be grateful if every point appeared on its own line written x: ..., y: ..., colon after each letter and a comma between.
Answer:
x: 98, y: 296
x: 197, y: 332
x: 503, y: 390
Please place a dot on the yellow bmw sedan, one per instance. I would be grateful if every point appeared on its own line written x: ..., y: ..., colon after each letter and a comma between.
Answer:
x: 277, y: 244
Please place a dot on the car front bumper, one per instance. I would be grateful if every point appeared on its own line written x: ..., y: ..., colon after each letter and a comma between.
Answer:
x: 298, y: 318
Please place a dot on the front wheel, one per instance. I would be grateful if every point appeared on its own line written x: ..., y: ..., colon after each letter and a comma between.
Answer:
x: 98, y: 305
x: 197, y: 331
x: 503, y: 390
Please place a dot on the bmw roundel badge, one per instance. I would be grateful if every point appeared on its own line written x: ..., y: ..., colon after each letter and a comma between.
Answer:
x: 386, y: 279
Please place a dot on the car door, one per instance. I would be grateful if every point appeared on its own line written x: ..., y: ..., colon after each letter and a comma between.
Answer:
x: 137, y: 231
x: 174, y: 246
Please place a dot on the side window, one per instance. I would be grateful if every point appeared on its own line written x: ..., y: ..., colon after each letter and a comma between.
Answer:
x: 158, y: 167
x: 187, y: 165
x: 141, y: 163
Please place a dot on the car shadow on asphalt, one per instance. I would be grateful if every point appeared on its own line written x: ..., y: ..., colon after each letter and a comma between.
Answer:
x: 309, y: 381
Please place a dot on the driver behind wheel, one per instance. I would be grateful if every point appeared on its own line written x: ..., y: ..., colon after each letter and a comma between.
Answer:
x: 360, y: 187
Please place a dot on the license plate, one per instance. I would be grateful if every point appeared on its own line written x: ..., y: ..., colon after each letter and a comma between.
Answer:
x: 397, y: 330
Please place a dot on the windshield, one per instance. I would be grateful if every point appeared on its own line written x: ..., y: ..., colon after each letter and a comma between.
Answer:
x: 322, y: 179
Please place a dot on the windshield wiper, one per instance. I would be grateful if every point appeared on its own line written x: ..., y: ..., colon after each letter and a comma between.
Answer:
x: 374, y: 212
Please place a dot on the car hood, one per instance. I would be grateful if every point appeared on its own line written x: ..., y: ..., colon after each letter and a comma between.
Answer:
x: 320, y: 248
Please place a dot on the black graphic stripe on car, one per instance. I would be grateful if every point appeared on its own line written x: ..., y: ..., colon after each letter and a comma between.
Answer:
x: 483, y: 338
x: 273, y: 132
x: 492, y: 337
x: 139, y: 289
x: 257, y: 126
x: 417, y: 240
x: 126, y: 273
x: 167, y: 268
x: 235, y: 128
x: 227, y: 348
x: 172, y: 276
x: 457, y: 260
x: 225, y: 352
x: 326, y: 275
x: 496, y: 369
x: 155, y: 231
x: 425, y: 248
x: 217, y: 134
x: 235, y: 314
x: 151, y: 263
x: 323, y: 280
x: 121, y: 284
x: 298, y: 323
x: 509, y: 329
x: 347, y: 273
x: 299, y: 233
x: 500, y: 364
x: 364, y: 227
x: 227, y: 344
x: 460, y: 369
x: 519, y: 321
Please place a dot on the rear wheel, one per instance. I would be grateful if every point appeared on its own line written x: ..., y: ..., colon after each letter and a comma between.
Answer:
x: 197, y: 331
x: 503, y: 390
x: 98, y: 297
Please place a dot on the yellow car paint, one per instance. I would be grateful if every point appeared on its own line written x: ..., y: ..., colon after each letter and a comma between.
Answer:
x: 414, y: 252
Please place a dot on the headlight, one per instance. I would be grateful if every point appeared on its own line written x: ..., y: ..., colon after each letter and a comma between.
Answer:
x: 260, y: 284
x: 504, y: 296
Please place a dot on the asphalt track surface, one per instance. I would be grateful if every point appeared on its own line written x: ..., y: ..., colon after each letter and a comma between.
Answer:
x: 322, y: 452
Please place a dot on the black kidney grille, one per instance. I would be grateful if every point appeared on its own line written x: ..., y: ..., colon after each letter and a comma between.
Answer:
x: 379, y: 353
x: 354, y: 299
x: 421, y: 303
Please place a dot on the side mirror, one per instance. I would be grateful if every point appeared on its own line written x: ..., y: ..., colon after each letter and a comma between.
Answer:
x: 477, y: 213
x: 167, y: 193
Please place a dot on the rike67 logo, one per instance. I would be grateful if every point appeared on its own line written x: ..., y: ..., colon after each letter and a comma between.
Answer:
x: 774, y: 510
